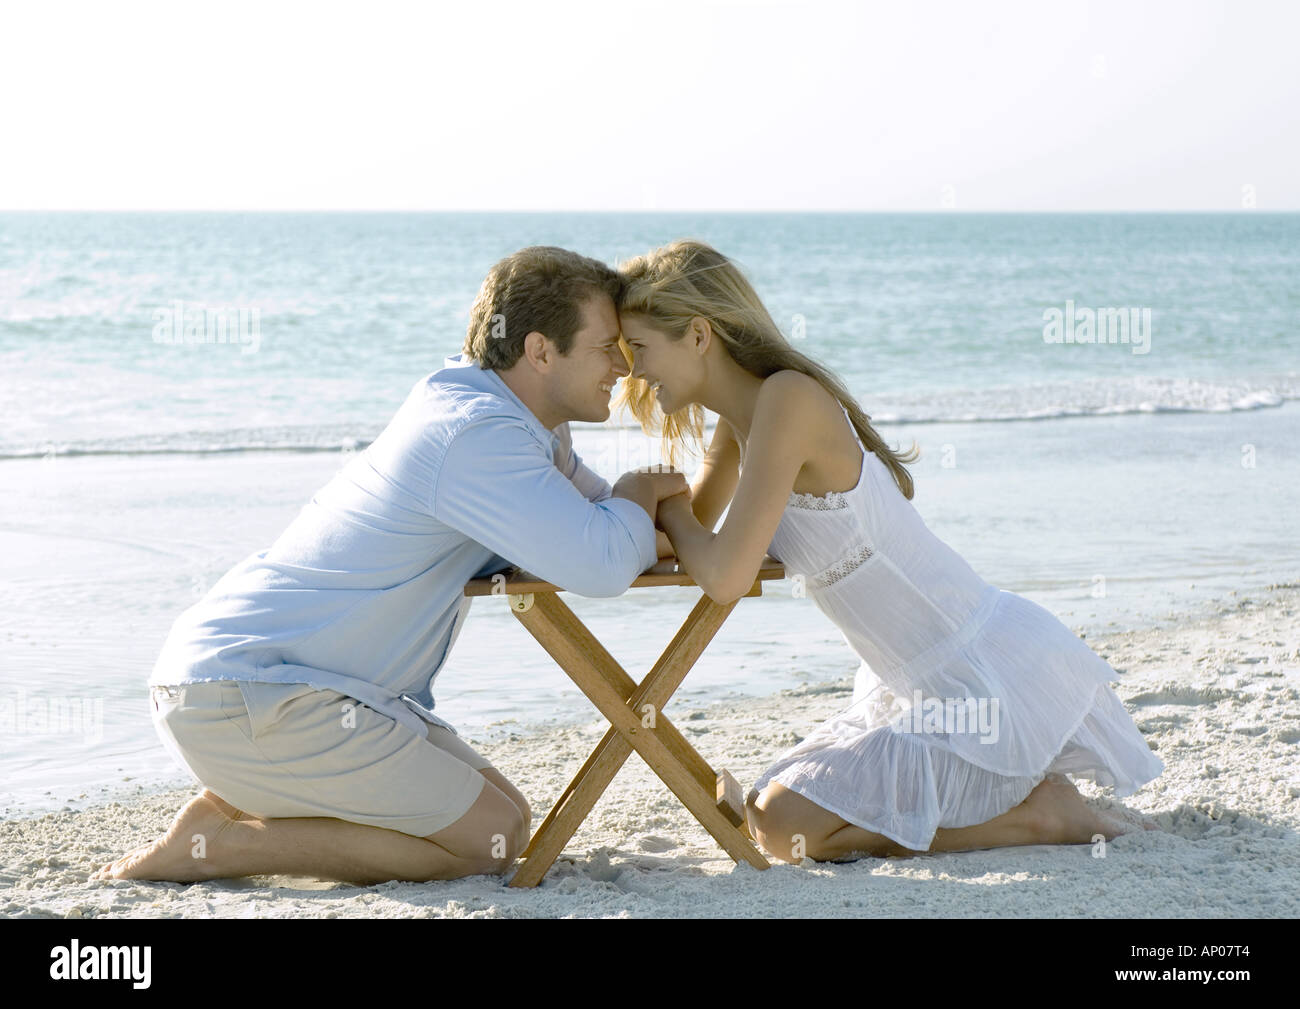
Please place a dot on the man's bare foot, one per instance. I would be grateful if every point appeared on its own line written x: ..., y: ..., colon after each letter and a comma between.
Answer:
x: 187, y: 852
x: 1065, y: 818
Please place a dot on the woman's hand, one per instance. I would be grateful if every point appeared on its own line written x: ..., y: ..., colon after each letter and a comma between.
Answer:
x: 680, y: 500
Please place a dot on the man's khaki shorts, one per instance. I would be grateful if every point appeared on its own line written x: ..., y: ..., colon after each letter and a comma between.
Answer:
x: 279, y: 750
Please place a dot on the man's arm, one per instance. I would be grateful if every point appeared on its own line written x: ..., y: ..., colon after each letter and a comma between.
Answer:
x: 500, y: 487
x: 589, y: 483
x: 593, y: 487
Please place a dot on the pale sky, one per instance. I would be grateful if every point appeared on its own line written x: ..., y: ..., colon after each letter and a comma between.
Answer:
x: 690, y: 105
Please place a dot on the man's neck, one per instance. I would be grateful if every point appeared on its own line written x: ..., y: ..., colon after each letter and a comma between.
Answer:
x: 517, y: 382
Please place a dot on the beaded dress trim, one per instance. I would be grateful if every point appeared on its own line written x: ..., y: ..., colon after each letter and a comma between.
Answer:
x: 833, y: 501
x: 842, y: 568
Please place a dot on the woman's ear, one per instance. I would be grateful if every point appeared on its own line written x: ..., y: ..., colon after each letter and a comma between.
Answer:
x: 702, y: 333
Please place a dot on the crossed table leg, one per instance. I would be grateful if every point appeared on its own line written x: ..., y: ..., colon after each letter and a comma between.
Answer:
x: 636, y: 723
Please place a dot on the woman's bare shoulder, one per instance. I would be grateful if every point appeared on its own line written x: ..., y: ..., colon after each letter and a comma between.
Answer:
x: 792, y: 393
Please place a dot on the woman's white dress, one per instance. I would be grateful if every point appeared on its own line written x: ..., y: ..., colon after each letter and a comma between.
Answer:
x: 967, y: 695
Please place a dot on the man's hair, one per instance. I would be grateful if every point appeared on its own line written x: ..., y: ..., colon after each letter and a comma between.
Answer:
x: 538, y: 288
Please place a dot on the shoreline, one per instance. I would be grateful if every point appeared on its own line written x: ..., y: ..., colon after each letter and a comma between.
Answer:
x: 1218, y: 698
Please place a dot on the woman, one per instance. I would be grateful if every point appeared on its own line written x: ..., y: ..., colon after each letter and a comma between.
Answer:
x: 1001, y: 699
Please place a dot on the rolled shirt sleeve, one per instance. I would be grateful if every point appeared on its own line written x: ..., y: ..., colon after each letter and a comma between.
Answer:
x: 590, y: 485
x: 501, y: 487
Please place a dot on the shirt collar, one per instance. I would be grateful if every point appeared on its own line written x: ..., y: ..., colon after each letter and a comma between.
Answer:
x: 488, y: 378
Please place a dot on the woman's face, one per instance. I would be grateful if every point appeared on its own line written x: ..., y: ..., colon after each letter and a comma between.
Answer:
x: 671, y: 367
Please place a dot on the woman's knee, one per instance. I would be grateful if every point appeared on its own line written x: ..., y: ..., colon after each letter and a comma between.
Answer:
x: 779, y: 822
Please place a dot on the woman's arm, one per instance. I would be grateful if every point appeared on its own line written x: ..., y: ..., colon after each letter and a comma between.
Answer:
x: 714, y: 483
x: 726, y: 563
x: 719, y: 472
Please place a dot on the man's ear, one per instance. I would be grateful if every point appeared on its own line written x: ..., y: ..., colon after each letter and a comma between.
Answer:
x: 539, y: 351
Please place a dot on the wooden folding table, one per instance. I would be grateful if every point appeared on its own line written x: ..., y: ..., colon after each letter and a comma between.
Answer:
x: 634, y: 710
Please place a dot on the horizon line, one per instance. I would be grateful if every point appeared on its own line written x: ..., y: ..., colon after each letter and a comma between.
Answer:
x: 949, y: 211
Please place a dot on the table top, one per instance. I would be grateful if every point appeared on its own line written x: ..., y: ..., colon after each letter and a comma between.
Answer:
x: 666, y: 572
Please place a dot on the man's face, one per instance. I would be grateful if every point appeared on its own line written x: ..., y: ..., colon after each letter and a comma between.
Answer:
x: 583, y: 380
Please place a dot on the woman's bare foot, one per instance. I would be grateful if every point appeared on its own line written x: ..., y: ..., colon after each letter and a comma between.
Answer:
x: 1063, y: 816
x: 188, y: 852
x: 1131, y: 818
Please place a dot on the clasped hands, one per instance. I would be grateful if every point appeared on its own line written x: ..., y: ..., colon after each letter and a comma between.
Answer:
x: 654, y: 488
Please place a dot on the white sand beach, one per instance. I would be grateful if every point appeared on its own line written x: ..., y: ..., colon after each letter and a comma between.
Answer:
x: 1218, y: 699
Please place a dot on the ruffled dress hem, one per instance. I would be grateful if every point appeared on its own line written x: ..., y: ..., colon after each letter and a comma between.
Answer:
x: 970, y: 794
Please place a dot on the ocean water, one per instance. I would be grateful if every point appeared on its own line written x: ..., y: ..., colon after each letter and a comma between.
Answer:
x: 1120, y: 484
x: 930, y: 317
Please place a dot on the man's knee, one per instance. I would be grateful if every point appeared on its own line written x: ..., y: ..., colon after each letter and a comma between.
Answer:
x: 525, y: 811
x: 491, y: 834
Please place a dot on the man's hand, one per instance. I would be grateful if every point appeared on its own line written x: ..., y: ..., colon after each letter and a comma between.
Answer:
x: 650, y: 485
x: 667, y: 481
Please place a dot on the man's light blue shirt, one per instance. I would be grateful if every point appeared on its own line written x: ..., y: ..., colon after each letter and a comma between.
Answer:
x: 363, y: 593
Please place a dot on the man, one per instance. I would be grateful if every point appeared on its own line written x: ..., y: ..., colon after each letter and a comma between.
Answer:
x: 298, y: 691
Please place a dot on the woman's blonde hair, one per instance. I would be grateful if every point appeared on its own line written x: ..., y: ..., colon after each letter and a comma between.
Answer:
x: 674, y: 284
